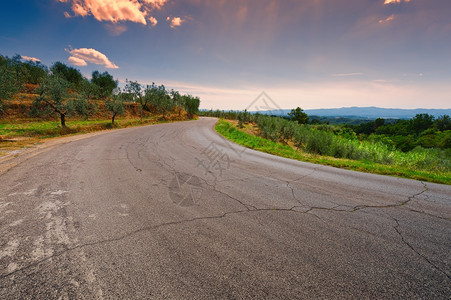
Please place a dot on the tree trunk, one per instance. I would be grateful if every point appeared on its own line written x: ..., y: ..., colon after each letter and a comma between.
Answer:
x: 112, y: 119
x: 63, y: 120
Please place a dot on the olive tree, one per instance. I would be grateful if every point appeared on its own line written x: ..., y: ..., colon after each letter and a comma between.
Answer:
x: 115, y: 104
x: 159, y: 98
x: 7, y: 85
x: 54, y: 97
x: 191, y: 105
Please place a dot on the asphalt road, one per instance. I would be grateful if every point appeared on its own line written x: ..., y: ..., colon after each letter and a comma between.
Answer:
x: 174, y: 211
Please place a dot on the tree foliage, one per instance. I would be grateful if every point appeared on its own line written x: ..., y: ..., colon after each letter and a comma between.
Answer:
x: 191, y: 105
x: 298, y: 115
x: 8, y: 84
x: 64, y: 91
x: 53, y: 95
x: 115, y: 104
x: 105, y: 84
x: 71, y: 75
x: 159, y: 98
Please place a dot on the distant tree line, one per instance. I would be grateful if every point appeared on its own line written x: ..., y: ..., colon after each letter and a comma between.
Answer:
x: 64, y: 91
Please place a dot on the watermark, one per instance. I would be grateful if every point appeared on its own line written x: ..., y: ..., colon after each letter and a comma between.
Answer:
x: 265, y: 105
x: 213, y: 160
x: 185, y: 189
x: 262, y: 104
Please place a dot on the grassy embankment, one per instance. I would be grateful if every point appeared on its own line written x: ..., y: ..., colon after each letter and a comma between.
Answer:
x: 399, y: 167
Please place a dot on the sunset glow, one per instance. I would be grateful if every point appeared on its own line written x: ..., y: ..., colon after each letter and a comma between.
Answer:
x: 313, y: 54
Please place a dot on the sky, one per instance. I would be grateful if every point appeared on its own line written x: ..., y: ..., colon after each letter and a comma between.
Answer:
x: 306, y: 53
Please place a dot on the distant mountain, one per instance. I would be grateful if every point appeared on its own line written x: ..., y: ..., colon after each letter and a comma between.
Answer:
x: 368, y: 112
x: 377, y: 112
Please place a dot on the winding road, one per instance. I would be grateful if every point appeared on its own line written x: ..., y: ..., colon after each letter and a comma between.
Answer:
x: 175, y: 211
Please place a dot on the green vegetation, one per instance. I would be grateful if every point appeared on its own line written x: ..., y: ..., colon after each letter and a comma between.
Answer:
x: 62, y: 90
x: 47, y: 129
x: 33, y: 97
x: 116, y: 106
x: 298, y: 115
x: 104, y: 84
x: 338, y: 146
x: 423, y: 130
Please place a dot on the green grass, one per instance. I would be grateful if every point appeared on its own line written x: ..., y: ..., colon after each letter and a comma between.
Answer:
x: 46, y: 129
x: 397, y: 167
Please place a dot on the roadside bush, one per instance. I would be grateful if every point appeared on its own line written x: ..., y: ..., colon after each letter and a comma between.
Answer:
x: 288, y: 130
x: 344, y: 149
x: 270, y: 128
x: 319, y: 142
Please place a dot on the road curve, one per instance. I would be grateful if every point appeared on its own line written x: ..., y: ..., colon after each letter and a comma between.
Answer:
x: 175, y: 211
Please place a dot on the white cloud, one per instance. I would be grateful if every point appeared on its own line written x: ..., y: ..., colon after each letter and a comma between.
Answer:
x: 81, y: 56
x: 30, y: 58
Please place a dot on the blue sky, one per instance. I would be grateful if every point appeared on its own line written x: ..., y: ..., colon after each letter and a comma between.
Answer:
x: 312, y: 54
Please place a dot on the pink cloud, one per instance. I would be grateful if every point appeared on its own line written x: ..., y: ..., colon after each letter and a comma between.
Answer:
x: 157, y: 4
x: 347, y: 74
x: 111, y: 10
x: 30, y: 58
x: 395, y: 1
x: 175, y: 21
x: 81, y: 56
x: 153, y: 21
x: 116, y: 29
x: 79, y: 10
x: 116, y: 10
x: 77, y: 61
x: 388, y: 19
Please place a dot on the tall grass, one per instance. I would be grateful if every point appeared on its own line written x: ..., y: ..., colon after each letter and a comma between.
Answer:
x: 321, y: 140
x: 277, y: 134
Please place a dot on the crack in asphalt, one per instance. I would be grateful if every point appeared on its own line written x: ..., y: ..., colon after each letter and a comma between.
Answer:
x: 129, y: 159
x: 143, y: 229
x: 163, y: 162
x: 396, y: 227
x: 248, y: 209
x: 361, y: 207
x: 247, y: 206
